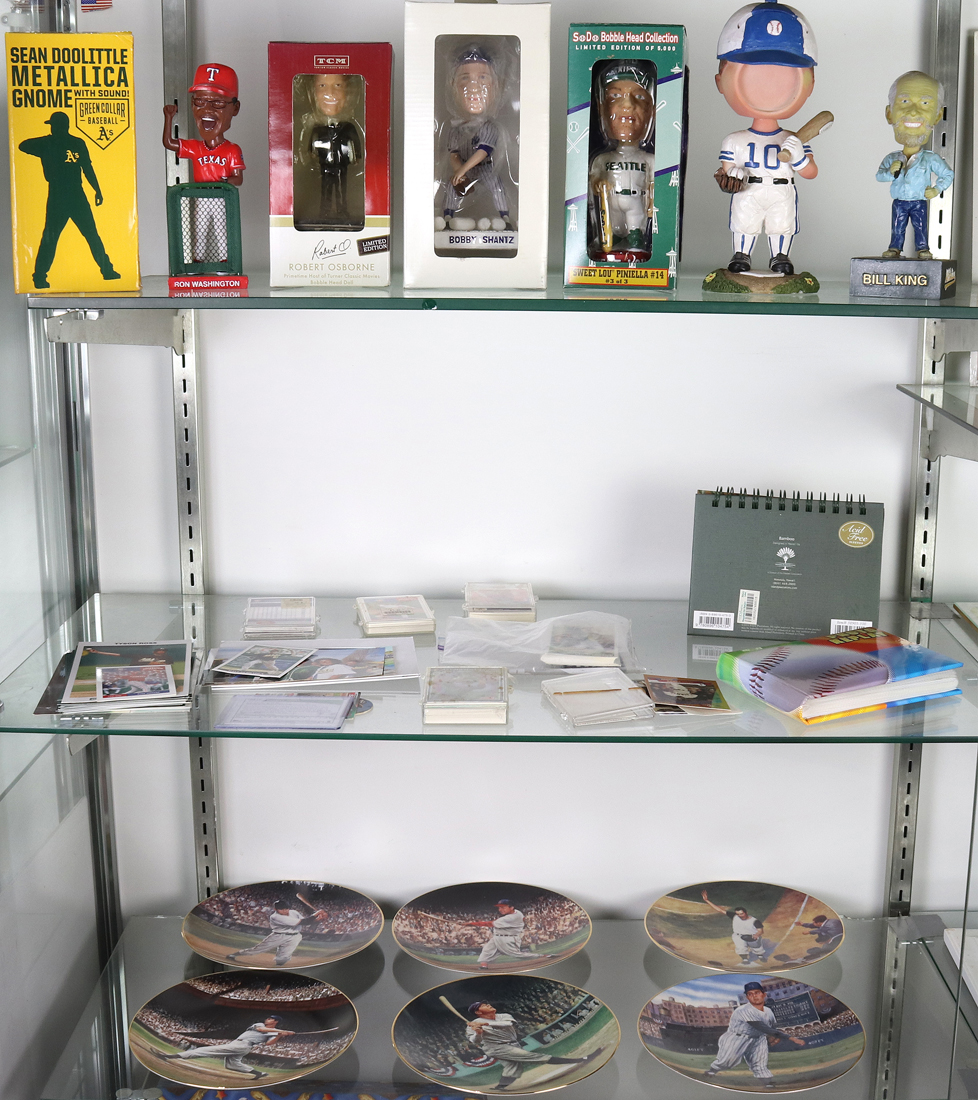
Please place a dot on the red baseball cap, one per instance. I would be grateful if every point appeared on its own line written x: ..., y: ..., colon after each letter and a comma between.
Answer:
x: 213, y: 77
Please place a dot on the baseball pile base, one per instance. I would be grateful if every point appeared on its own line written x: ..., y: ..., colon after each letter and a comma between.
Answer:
x: 723, y: 281
x: 870, y: 275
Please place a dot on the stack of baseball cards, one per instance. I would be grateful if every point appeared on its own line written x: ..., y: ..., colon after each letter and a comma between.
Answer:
x: 388, y: 664
x: 682, y: 695
x: 280, y: 617
x: 394, y: 615
x: 506, y: 601
x: 124, y: 676
x: 595, y: 698
x: 466, y: 696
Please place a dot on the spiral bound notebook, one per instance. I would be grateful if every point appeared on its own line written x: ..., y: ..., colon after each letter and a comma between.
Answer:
x: 783, y: 566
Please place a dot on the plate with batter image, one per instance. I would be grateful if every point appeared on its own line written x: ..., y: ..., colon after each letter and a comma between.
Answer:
x: 752, y: 1033
x: 287, y: 923
x: 229, y: 1030
x: 498, y: 1034
x: 494, y: 927
x: 735, y: 925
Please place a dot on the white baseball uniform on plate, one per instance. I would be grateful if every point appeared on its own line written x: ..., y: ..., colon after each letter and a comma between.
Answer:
x: 231, y: 1052
x: 762, y: 206
x: 630, y: 173
x: 499, y: 1040
x: 506, y: 938
x: 283, y: 939
x: 745, y: 926
x: 743, y: 1040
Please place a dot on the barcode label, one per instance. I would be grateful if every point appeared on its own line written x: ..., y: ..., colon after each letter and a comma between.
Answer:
x: 710, y: 652
x: 840, y: 626
x: 713, y: 620
x: 747, y: 608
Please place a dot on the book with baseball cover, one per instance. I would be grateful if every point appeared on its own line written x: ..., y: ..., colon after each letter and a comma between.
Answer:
x: 841, y: 674
x: 72, y: 133
x: 783, y: 566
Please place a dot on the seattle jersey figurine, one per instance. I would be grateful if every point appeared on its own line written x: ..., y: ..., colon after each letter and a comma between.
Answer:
x: 621, y: 176
x: 915, y: 174
x: 767, y: 55
x: 473, y: 140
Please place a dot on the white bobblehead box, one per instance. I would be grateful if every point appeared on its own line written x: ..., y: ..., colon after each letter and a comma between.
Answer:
x: 476, y: 144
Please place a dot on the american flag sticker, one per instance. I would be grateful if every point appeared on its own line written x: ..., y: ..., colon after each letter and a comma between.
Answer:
x: 95, y: 5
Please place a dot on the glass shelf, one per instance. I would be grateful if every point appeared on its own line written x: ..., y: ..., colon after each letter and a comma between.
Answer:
x: 661, y: 643
x: 619, y: 965
x: 833, y: 300
x: 956, y: 400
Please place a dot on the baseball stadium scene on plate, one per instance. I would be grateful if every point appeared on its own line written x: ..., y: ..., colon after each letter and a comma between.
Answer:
x: 232, y: 1029
x: 761, y: 1034
x: 506, y: 1033
x: 491, y: 926
x: 733, y: 925
x: 286, y: 923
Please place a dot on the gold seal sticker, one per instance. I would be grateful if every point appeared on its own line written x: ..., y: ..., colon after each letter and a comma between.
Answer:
x: 856, y: 534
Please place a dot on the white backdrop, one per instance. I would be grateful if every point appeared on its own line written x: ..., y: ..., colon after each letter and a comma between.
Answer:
x: 348, y: 452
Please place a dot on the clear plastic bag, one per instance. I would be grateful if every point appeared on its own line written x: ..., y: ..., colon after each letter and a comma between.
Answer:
x: 521, y: 647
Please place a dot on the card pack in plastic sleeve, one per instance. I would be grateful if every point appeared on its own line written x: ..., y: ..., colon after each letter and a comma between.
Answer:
x: 329, y: 122
x: 71, y: 122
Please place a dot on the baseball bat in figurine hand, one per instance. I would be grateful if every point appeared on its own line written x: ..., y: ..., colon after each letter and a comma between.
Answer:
x: 812, y: 128
x: 451, y: 1008
x: 604, y: 215
x: 431, y: 916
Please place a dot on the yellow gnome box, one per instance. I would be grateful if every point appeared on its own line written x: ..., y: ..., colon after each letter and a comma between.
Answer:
x: 72, y: 162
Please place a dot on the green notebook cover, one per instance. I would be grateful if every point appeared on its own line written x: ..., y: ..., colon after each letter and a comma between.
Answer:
x: 783, y: 567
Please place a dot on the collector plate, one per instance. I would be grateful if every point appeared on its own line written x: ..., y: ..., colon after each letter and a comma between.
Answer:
x: 283, y: 924
x: 498, y: 1034
x: 752, y: 1033
x: 495, y: 927
x: 230, y: 1029
x: 733, y: 925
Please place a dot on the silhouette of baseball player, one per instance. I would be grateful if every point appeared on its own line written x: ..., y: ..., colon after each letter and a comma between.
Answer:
x: 63, y: 160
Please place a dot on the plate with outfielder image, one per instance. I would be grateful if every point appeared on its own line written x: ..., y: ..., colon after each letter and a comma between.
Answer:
x: 228, y: 1030
x: 760, y: 1034
x: 286, y: 923
x: 506, y: 1033
x: 735, y: 925
x: 491, y: 926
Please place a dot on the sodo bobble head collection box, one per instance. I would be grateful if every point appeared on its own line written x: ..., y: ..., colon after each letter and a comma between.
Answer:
x: 329, y: 163
x: 626, y: 154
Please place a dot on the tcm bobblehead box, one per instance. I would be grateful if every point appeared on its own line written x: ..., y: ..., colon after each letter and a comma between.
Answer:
x: 626, y: 154
x: 72, y: 162
x: 329, y: 130
x: 476, y: 144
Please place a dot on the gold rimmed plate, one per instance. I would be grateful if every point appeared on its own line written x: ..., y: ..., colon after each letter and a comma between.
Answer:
x: 499, y: 1034
x: 752, y: 1033
x: 743, y: 926
x: 491, y: 927
x: 284, y: 924
x: 230, y: 1030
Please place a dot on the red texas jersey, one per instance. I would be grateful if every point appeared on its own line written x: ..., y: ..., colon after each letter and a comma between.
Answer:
x: 212, y: 165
